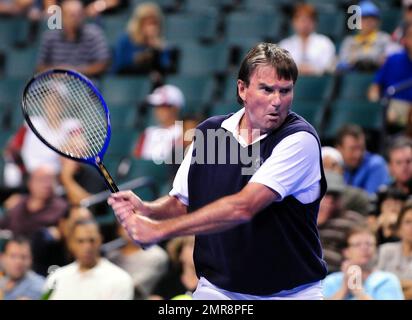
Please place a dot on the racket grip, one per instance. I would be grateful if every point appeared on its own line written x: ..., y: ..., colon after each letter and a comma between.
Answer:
x: 107, y: 177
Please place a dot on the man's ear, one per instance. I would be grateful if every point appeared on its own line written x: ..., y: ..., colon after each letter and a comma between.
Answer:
x: 241, y: 89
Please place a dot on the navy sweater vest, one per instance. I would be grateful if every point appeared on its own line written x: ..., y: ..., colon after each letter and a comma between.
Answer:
x: 279, y: 249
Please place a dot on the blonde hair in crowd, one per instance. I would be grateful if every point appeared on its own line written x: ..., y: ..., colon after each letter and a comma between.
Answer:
x: 143, y: 10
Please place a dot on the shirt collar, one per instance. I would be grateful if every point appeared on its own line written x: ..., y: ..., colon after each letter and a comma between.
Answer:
x: 231, y: 124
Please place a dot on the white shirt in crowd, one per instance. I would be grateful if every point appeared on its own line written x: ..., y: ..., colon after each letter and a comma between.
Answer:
x: 319, y: 52
x: 105, y: 281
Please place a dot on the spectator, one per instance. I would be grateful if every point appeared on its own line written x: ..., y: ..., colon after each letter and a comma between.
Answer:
x: 367, y: 50
x: 390, y: 203
x: 313, y: 53
x: 157, y: 142
x: 145, y: 266
x: 90, y: 277
x: 181, y: 280
x: 334, y: 221
x: 19, y: 282
x: 358, y: 278
x: 362, y: 169
x: 39, y: 209
x: 15, y: 7
x: 396, y: 257
x: 142, y: 49
x: 400, y: 164
x: 397, y: 69
x: 76, y: 46
x: 398, y: 33
x: 353, y: 199
x: 50, y: 245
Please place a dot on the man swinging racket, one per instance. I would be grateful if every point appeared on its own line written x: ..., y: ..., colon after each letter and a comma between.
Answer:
x: 256, y: 233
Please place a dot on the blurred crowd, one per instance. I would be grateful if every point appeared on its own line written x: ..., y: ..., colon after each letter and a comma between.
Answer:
x: 163, y: 66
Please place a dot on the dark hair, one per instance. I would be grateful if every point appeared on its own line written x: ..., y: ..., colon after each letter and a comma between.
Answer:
x: 267, y: 54
x: 83, y: 222
x: 16, y: 239
x: 349, y: 130
x: 398, y: 143
x: 305, y: 9
x: 407, y: 207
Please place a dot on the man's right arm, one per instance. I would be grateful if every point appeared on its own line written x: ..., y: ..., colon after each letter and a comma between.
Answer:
x: 164, y: 208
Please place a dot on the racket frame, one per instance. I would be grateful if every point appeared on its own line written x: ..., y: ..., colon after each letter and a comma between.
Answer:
x: 97, y: 160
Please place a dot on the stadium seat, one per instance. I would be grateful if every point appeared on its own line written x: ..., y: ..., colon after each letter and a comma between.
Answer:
x: 21, y: 63
x: 354, y: 86
x: 365, y: 114
x: 125, y: 90
x: 196, y: 59
x: 224, y: 108
x: 311, y: 110
x: 121, y: 142
x: 241, y: 26
x: 122, y: 117
x: 183, y: 27
x: 11, y: 90
x: 198, y: 90
x: 313, y: 87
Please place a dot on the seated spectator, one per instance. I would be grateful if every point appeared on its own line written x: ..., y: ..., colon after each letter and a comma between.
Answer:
x: 353, y: 199
x: 363, y: 169
x: 398, y: 33
x: 77, y: 45
x: 181, y: 280
x: 157, y: 142
x: 313, y: 53
x: 334, y: 221
x: 50, y: 245
x: 142, y: 49
x: 145, y: 266
x: 89, y: 277
x: 397, y: 69
x: 389, y: 205
x: 19, y: 282
x: 39, y: 209
x: 400, y: 164
x: 358, y: 278
x: 367, y: 50
x: 396, y: 257
x: 15, y: 7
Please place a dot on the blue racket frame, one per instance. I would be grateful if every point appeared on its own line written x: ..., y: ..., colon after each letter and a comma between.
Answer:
x: 97, y: 160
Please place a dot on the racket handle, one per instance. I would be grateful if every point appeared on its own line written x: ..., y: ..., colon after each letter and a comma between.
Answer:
x: 107, y: 177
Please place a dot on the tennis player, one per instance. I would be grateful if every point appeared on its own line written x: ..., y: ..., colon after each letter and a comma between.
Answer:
x: 256, y: 234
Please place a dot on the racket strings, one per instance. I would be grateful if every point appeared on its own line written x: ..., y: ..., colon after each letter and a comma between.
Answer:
x: 75, y: 120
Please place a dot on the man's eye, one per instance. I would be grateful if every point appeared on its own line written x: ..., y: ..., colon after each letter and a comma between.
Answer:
x: 284, y: 91
x: 267, y: 89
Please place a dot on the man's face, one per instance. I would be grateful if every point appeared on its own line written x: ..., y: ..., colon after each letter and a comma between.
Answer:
x: 85, y: 242
x: 41, y: 183
x: 17, y: 260
x: 267, y: 99
x: 400, y: 164
x: 407, y: 40
x: 352, y: 150
x: 303, y: 24
x: 369, y: 24
x: 72, y: 15
x: 361, y: 249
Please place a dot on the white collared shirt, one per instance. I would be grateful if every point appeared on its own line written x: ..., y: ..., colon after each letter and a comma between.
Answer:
x: 292, y: 169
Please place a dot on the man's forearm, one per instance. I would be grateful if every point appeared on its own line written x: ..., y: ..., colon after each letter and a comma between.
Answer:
x: 218, y: 216
x: 165, y: 208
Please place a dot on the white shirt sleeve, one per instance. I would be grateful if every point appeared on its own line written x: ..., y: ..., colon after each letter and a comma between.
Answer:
x: 293, y: 168
x: 180, y: 184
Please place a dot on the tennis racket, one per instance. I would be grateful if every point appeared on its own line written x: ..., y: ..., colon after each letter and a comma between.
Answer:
x: 69, y: 115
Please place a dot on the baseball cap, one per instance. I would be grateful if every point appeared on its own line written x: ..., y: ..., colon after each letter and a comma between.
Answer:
x: 167, y: 95
x: 369, y: 9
